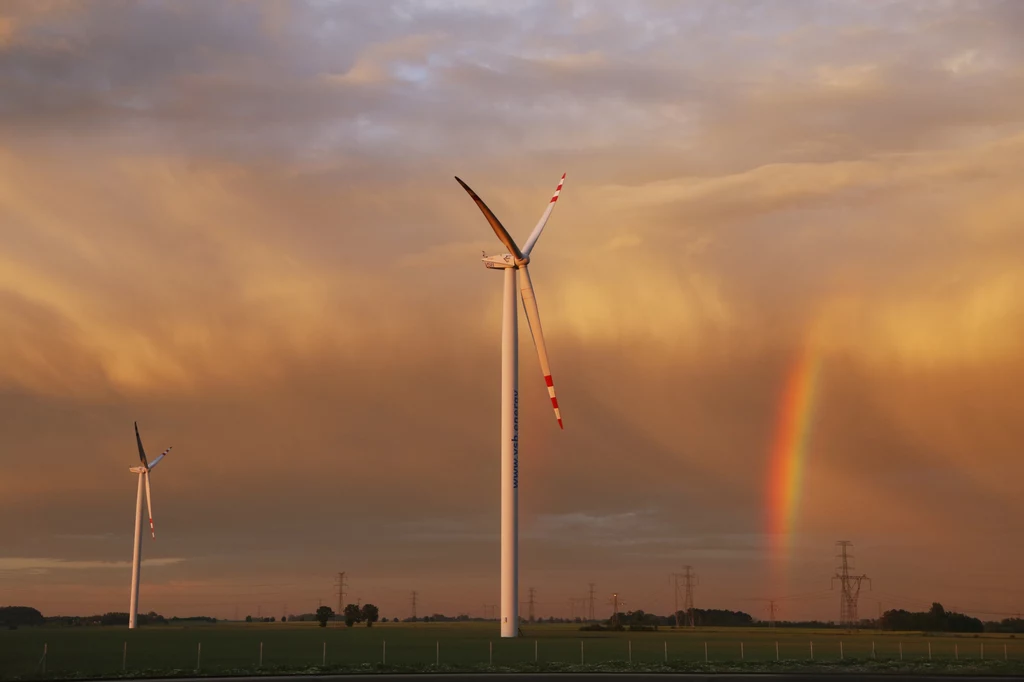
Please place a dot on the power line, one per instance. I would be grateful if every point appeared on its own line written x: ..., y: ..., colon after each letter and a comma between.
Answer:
x: 807, y: 595
x: 531, y: 613
x: 850, y: 584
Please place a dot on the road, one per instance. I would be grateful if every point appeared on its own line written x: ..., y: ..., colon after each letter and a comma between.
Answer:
x: 619, y: 677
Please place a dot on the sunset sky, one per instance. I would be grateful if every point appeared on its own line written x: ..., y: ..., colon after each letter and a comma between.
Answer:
x: 236, y: 223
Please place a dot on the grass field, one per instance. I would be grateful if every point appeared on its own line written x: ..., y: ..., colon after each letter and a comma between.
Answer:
x: 304, y: 647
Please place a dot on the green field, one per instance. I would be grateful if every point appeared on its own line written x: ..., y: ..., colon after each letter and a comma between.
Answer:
x: 304, y: 647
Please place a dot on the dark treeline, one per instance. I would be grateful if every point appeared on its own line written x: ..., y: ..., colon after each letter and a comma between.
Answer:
x: 12, y: 617
x: 718, y: 618
x: 935, y: 619
x: 1005, y: 625
x: 439, y: 618
x: 806, y: 624
x: 641, y: 620
x: 436, y: 618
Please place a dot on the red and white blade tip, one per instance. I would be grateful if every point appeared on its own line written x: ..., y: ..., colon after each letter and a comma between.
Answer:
x: 151, y: 528
x: 554, y: 400
x: 554, y: 197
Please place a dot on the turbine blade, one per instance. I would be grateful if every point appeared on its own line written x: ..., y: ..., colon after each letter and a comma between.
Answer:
x: 158, y: 458
x: 496, y: 225
x: 533, y: 319
x: 149, y: 505
x: 535, y: 235
x: 142, y: 451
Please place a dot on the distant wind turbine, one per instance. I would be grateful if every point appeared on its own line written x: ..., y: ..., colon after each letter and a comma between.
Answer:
x: 513, y: 262
x: 143, y: 472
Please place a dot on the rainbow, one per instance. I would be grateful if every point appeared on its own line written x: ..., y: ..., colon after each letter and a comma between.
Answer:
x: 790, y: 448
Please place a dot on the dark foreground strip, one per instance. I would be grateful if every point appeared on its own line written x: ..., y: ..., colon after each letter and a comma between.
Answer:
x: 608, y: 677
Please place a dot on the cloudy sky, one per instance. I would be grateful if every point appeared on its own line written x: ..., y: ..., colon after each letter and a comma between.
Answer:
x: 236, y: 223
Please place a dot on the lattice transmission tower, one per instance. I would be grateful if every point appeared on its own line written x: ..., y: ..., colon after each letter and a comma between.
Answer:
x: 691, y: 582
x: 849, y: 584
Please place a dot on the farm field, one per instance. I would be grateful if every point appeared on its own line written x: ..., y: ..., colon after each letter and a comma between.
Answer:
x: 227, y: 648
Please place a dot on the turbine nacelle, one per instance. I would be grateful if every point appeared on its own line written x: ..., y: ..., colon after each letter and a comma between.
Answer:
x: 504, y: 262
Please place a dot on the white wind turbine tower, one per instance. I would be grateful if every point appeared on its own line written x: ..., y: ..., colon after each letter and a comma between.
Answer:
x: 143, y: 472
x: 513, y: 262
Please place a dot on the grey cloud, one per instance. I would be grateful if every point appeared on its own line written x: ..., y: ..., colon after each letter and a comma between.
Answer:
x: 214, y: 77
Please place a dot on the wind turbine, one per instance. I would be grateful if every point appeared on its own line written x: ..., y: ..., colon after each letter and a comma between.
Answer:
x: 513, y: 262
x: 143, y: 472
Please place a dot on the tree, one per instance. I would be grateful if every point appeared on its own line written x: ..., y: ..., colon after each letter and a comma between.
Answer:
x: 248, y: 619
x: 937, y: 618
x: 13, y: 616
x: 284, y: 619
x: 353, y: 614
x: 323, y: 614
x: 370, y: 614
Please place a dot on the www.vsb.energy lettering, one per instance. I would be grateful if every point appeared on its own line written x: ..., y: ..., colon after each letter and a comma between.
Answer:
x: 515, y: 439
